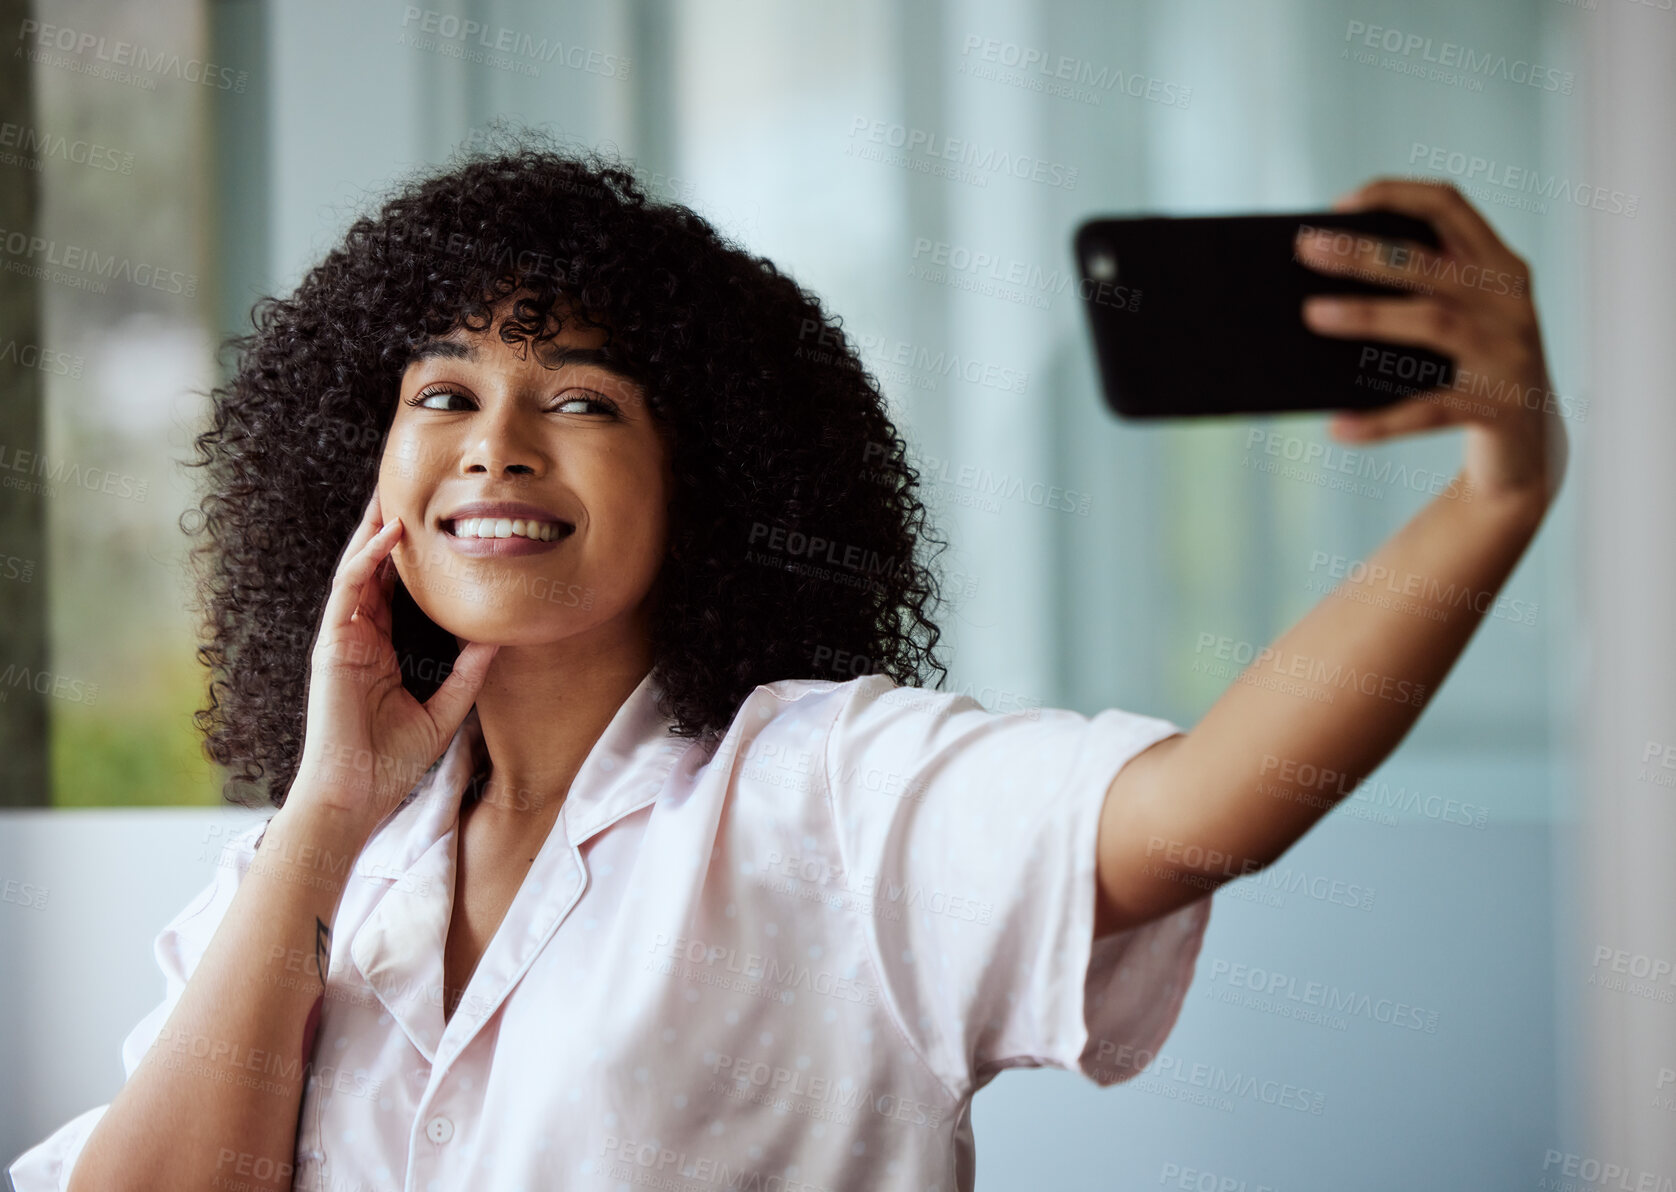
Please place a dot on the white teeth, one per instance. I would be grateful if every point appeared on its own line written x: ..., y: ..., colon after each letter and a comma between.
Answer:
x: 505, y: 527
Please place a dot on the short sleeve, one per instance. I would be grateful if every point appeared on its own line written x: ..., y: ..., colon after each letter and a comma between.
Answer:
x: 46, y: 1167
x: 975, y: 835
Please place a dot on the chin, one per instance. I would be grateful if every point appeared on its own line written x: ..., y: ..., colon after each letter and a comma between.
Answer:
x: 501, y: 619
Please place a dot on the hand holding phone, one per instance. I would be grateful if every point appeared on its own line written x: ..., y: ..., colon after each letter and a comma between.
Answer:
x: 1203, y: 315
x: 1418, y: 319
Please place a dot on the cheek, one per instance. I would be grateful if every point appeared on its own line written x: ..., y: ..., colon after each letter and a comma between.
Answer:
x: 634, y: 485
x: 398, y: 483
x: 402, y: 461
x: 644, y: 510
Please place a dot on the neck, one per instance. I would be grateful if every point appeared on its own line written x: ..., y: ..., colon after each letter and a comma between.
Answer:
x: 542, y: 709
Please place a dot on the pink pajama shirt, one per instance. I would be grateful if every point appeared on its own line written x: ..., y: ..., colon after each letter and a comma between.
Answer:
x: 786, y: 967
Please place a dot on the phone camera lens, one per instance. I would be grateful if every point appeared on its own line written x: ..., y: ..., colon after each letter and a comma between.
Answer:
x: 1102, y: 265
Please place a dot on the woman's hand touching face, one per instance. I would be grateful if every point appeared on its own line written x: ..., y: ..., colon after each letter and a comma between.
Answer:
x: 367, y: 740
x: 1471, y: 300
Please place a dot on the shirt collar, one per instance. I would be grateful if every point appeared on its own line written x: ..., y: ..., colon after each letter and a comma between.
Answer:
x: 624, y: 771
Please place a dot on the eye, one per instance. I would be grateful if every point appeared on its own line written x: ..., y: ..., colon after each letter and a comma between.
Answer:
x: 423, y: 397
x: 588, y: 397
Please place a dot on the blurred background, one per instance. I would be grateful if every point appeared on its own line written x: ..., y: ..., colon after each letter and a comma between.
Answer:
x: 1504, y: 1019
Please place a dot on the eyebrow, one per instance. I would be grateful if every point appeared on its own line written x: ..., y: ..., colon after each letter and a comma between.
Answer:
x: 452, y: 349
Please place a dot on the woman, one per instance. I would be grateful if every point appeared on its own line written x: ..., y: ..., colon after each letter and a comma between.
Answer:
x: 693, y: 896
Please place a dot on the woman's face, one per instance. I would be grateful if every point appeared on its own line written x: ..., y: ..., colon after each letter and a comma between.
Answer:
x: 572, y: 448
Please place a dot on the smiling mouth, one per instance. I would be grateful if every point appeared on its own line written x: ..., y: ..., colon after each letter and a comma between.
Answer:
x: 476, y: 528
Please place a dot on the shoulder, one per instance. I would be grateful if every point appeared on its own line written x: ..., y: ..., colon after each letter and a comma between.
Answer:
x: 844, y: 705
x: 809, y: 713
x: 830, y: 724
x: 871, y: 724
x: 791, y: 691
x: 868, y: 690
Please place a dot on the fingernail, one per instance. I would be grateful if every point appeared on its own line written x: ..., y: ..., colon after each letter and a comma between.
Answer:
x: 1323, y: 312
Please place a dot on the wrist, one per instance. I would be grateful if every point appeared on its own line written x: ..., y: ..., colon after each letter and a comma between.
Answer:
x: 309, y: 849
x: 1507, y: 512
x: 314, y: 811
x: 1515, y: 470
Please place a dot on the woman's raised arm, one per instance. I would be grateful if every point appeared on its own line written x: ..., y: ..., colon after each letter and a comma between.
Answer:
x: 1315, y: 712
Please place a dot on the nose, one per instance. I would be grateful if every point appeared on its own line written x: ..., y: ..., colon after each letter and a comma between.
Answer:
x: 500, y: 444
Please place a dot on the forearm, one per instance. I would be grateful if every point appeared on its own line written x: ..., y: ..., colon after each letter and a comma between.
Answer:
x: 1327, y: 702
x: 227, y: 1070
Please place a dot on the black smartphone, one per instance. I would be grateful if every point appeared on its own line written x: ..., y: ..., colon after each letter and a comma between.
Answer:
x: 1197, y: 316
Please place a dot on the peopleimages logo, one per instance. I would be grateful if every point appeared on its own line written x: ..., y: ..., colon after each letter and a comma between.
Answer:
x: 34, y: 145
x: 108, y: 57
x: 982, y: 160
x: 1473, y: 168
x: 1363, y: 465
x: 27, y: 355
x: 500, y: 46
x: 31, y: 255
x: 1332, y: 672
x: 1028, y: 276
x: 1284, y: 987
x: 1036, y: 69
x: 1456, y: 57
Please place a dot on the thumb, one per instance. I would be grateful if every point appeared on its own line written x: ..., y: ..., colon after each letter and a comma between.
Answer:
x: 448, y: 707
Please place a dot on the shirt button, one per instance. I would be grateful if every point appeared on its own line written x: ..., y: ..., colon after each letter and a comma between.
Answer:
x: 439, y: 1129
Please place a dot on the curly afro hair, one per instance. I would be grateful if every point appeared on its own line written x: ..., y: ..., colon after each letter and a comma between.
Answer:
x: 795, y: 527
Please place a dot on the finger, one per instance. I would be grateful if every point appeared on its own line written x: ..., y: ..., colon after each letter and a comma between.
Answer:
x: 449, y: 705
x: 386, y: 589
x: 370, y: 523
x: 375, y: 597
x: 1405, y: 263
x: 353, y: 575
x: 1462, y: 230
x: 1421, y: 322
x: 1405, y: 417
